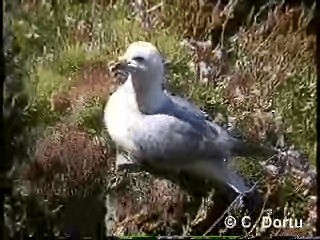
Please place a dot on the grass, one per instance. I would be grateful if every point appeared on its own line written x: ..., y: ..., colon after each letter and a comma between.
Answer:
x: 297, y: 101
x: 269, y: 70
x: 91, y: 115
x: 71, y: 59
x: 48, y: 81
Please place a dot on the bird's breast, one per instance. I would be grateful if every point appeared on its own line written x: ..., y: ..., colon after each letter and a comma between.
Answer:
x: 120, y: 118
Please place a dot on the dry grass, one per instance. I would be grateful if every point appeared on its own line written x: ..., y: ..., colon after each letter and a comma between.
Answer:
x: 160, y: 207
x: 67, y: 161
x: 265, y: 70
x: 92, y: 81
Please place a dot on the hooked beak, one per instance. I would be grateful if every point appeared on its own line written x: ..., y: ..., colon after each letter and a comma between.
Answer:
x: 124, y: 65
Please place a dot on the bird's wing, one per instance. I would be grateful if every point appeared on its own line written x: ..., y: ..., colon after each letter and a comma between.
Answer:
x: 189, y: 107
x: 179, y: 142
x: 237, y: 145
x: 177, y: 134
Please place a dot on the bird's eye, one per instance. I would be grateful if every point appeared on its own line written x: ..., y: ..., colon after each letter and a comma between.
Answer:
x: 138, y: 59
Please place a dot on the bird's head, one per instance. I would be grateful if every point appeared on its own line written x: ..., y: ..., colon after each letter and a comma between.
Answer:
x: 142, y: 60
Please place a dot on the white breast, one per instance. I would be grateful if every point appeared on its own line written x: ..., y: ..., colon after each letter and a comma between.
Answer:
x: 120, y: 117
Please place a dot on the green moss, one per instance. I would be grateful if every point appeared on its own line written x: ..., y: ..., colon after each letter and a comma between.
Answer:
x: 297, y: 101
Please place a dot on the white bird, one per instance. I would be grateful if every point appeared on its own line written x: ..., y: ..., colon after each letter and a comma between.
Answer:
x: 168, y: 132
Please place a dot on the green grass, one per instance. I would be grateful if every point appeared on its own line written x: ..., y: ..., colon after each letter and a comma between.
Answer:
x: 297, y: 102
x: 47, y: 81
x: 90, y: 116
x: 70, y: 59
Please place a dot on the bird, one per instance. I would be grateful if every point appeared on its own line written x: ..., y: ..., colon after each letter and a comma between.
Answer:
x: 169, y: 132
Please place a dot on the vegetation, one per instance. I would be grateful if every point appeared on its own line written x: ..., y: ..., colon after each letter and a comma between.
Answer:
x: 63, y: 49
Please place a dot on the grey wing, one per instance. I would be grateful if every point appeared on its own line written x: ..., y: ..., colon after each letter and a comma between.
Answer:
x: 189, y: 106
x: 227, y: 140
x: 176, y: 134
x: 166, y: 141
x: 163, y: 137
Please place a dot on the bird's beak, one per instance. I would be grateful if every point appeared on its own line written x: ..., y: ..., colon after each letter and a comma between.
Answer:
x: 132, y: 64
x: 124, y: 65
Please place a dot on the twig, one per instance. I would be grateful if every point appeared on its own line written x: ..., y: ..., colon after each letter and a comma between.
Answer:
x: 269, y: 5
x: 228, y: 11
x: 261, y: 212
x: 186, y: 228
x: 155, y: 7
x: 234, y: 202
x: 265, y: 41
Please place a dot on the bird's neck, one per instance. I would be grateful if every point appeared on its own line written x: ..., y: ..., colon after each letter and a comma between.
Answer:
x: 149, y: 97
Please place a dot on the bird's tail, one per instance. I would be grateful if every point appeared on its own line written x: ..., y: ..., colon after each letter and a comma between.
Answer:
x: 254, y: 150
